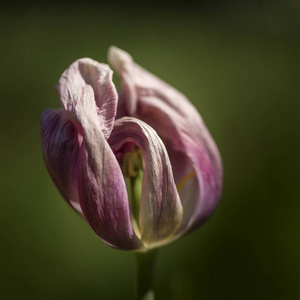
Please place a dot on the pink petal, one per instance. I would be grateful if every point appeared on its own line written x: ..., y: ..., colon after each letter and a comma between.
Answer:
x: 188, y: 142
x: 161, y: 211
x: 101, y: 186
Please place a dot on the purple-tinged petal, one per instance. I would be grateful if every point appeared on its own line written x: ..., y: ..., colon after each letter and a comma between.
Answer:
x: 101, y: 187
x: 84, y: 74
x: 60, y: 145
x: 185, y: 135
x: 161, y: 210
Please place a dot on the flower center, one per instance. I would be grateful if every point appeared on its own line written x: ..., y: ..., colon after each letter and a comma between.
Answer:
x: 132, y: 168
x: 132, y: 163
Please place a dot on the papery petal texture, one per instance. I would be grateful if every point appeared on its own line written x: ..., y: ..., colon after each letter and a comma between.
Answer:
x: 87, y: 74
x: 149, y: 135
x: 185, y: 135
x: 160, y: 210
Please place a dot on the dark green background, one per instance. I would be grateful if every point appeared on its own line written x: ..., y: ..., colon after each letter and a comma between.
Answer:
x: 237, y: 62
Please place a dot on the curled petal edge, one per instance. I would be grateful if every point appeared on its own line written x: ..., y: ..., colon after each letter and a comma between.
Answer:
x: 87, y: 74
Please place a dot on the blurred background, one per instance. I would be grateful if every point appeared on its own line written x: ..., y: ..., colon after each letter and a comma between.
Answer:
x: 237, y: 61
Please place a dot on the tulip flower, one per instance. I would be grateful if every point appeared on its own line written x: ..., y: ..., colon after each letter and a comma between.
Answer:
x: 140, y: 166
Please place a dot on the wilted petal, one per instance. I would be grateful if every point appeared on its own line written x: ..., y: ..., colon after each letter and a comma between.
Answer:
x: 161, y: 210
x: 101, y: 187
x: 60, y: 145
x: 84, y: 74
x: 185, y: 135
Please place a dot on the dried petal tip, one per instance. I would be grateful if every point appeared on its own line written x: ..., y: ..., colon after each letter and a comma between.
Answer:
x: 118, y: 58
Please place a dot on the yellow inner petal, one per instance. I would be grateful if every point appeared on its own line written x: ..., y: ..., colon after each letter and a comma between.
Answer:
x: 183, y: 181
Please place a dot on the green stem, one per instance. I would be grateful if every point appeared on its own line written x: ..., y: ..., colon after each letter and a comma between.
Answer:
x: 145, y: 275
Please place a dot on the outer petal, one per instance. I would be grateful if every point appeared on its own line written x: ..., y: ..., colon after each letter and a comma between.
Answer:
x: 101, y: 186
x: 84, y: 74
x: 187, y: 139
x: 60, y: 146
x: 161, y: 210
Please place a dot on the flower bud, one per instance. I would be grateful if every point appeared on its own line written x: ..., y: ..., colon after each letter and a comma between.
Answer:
x: 140, y: 166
